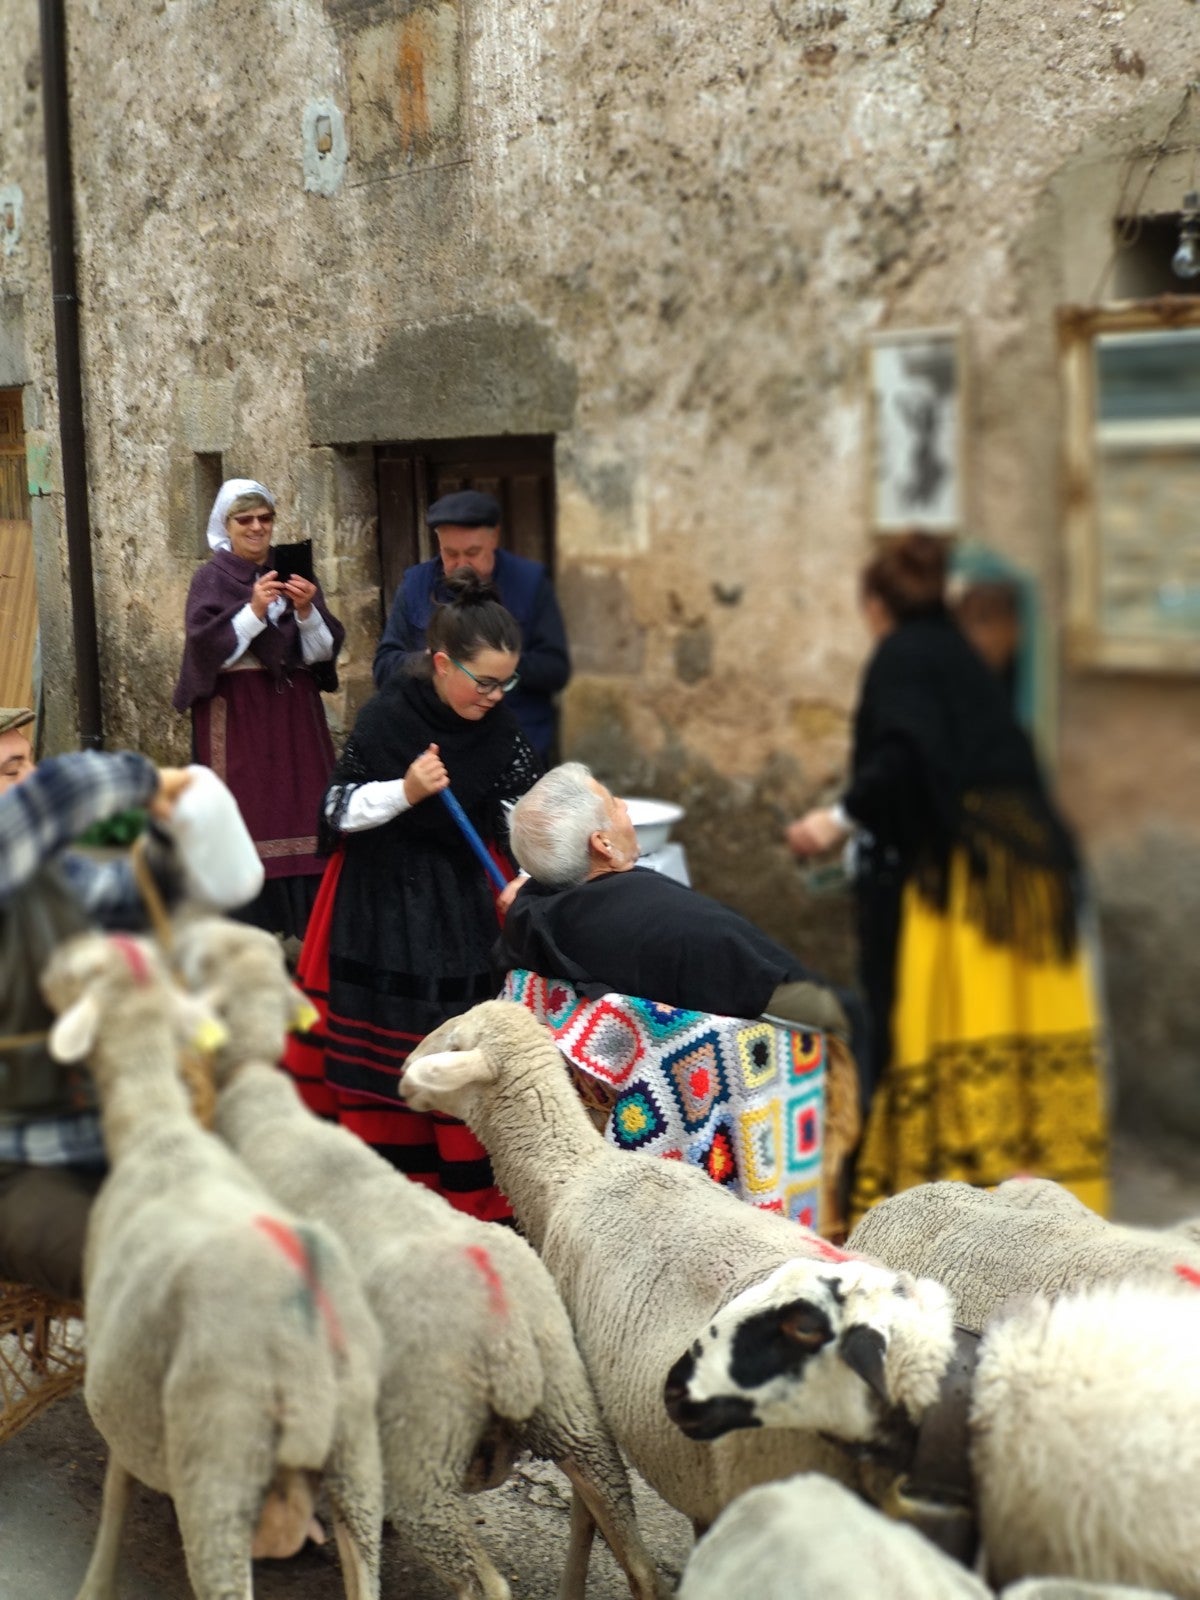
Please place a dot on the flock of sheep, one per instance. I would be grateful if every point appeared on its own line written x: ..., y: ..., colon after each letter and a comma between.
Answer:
x: 983, y: 1388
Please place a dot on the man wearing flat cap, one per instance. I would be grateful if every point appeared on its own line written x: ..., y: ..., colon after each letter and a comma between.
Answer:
x: 467, y: 527
x: 16, y: 751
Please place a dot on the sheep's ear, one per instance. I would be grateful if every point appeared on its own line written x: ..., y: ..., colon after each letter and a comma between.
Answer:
x: 305, y: 1015
x: 863, y: 1349
x: 430, y: 1079
x: 73, y: 1035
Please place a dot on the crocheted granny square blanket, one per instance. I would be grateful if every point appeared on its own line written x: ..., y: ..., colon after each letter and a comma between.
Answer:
x: 744, y: 1099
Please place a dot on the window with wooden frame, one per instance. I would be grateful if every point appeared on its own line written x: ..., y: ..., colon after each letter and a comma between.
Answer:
x: 18, y: 588
x: 1131, y: 377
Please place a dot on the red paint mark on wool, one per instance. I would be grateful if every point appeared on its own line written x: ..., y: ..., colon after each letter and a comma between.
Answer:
x: 497, y: 1299
x: 135, y: 957
x: 829, y: 1252
x: 1189, y: 1275
x: 293, y: 1247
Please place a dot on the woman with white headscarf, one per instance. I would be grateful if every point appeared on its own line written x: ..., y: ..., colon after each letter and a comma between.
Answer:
x: 258, y: 651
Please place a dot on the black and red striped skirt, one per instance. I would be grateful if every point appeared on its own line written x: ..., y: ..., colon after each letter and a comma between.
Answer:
x: 348, y: 1066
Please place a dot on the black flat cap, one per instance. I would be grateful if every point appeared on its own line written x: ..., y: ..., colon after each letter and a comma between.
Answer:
x: 465, y: 508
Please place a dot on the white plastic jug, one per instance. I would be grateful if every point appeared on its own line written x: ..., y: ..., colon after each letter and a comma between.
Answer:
x: 221, y: 867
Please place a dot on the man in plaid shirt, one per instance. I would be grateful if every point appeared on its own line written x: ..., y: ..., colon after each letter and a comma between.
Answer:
x: 51, y: 1152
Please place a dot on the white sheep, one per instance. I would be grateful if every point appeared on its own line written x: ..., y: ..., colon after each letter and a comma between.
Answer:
x: 1073, y: 1589
x: 1082, y: 1426
x: 1028, y: 1236
x: 808, y: 1538
x: 644, y: 1251
x: 479, y: 1356
x: 1086, y: 1438
x: 232, y: 1361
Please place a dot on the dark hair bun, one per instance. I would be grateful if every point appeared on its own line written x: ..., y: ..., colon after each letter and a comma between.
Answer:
x: 921, y: 561
x: 470, y: 617
x: 466, y: 588
x: 908, y: 574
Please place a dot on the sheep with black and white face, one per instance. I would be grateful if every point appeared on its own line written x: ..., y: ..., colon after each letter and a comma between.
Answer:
x: 850, y: 1349
x: 1076, y: 1419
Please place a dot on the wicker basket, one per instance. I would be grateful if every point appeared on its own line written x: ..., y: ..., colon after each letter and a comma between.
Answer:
x: 41, y: 1353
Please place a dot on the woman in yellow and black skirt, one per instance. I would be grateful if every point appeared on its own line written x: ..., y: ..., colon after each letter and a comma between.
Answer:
x: 987, y: 1053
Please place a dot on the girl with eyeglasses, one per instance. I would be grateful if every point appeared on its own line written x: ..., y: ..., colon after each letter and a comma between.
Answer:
x: 259, y: 650
x: 402, y: 931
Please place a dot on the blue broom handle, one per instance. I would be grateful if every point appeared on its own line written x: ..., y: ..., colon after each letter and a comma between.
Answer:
x: 467, y: 828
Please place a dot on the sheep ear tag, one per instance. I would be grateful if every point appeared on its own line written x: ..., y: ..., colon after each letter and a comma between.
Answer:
x: 72, y: 1036
x: 305, y: 1015
x: 210, y: 1035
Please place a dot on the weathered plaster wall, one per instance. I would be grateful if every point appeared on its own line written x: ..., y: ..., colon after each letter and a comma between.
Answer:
x: 661, y: 233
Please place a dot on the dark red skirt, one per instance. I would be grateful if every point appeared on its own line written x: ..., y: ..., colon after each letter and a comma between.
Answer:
x: 429, y: 1148
x: 270, y: 745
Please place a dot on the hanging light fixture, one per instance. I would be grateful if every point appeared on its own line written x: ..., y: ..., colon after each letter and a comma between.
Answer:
x: 1185, y: 263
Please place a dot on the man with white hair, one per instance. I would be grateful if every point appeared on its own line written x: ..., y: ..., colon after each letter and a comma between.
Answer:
x: 589, y: 915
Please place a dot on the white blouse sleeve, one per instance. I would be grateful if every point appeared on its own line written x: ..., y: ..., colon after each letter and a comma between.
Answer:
x: 247, y: 626
x: 316, y: 641
x: 367, y: 805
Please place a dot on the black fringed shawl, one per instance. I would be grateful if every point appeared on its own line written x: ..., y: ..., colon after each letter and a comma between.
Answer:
x: 414, y: 914
x: 488, y: 762
x: 219, y: 590
x: 940, y: 764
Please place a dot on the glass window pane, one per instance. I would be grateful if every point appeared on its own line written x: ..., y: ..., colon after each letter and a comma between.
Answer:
x: 1148, y: 510
x: 1148, y: 376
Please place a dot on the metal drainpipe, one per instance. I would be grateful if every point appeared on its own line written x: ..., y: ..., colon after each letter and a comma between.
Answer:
x: 56, y: 109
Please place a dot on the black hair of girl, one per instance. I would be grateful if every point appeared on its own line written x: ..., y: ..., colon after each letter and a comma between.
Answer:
x: 471, y: 618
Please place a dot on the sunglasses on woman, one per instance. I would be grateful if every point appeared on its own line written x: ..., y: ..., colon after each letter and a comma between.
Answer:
x: 245, y: 518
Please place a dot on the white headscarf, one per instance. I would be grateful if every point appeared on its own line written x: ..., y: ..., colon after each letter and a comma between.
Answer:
x: 218, y: 538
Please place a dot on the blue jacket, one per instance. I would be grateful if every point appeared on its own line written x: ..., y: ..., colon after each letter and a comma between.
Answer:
x: 526, y: 591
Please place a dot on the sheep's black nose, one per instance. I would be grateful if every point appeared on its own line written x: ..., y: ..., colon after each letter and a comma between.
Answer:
x: 709, y: 1419
x: 680, y: 1375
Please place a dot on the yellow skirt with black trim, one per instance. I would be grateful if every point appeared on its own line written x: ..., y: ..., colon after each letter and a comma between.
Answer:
x: 997, y: 1064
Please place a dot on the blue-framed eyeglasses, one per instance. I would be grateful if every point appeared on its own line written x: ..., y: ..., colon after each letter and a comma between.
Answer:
x: 489, y: 685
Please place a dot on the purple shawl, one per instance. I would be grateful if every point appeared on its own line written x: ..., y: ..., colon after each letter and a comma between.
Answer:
x: 218, y: 592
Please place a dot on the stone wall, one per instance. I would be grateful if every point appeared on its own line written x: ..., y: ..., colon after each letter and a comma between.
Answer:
x: 661, y: 233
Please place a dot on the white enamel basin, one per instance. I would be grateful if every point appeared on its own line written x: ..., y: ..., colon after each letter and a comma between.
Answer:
x: 652, y: 822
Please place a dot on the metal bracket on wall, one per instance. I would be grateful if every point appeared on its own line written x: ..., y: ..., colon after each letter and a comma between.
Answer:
x: 325, y: 148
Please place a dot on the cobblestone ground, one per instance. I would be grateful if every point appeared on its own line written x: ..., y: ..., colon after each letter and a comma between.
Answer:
x: 51, y: 1475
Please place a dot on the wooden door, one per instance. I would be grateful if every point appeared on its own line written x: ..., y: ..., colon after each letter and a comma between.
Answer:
x: 518, y: 471
x: 18, y: 588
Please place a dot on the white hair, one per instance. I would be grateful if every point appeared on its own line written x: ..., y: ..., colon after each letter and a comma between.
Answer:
x: 550, y: 825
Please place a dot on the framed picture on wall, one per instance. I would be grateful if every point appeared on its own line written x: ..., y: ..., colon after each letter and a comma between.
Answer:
x: 1131, y: 390
x: 915, y: 382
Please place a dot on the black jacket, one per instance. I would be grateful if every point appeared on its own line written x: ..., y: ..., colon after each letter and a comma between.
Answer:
x: 641, y: 933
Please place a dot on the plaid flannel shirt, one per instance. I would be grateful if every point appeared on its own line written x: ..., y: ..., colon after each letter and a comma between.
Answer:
x: 59, y: 800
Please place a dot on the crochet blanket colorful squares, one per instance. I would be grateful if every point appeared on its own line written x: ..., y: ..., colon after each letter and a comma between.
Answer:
x: 742, y: 1099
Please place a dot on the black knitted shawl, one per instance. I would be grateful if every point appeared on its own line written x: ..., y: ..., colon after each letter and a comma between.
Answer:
x: 941, y: 766
x: 488, y: 762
